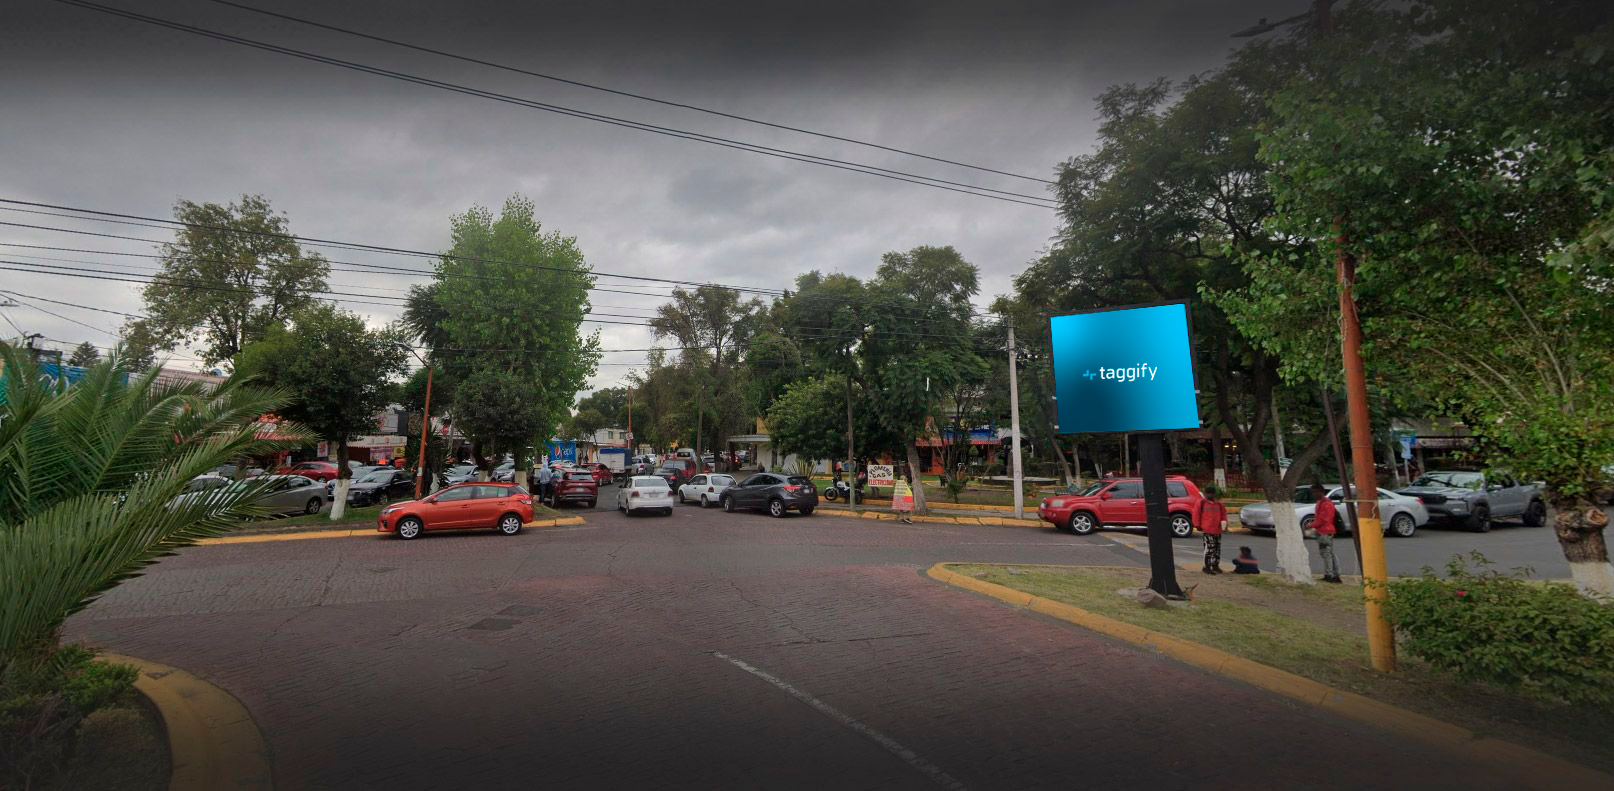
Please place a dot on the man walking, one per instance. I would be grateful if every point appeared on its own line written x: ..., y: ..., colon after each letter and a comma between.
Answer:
x: 544, y: 476
x: 1323, y: 523
x: 1212, y: 520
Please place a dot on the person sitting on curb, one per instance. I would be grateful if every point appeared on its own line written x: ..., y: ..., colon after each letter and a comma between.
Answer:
x: 1323, y: 524
x: 1245, y: 563
x: 1211, y: 521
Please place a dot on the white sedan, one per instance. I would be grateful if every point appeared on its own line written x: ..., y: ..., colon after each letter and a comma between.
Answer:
x: 1401, y: 515
x: 642, y: 492
x: 706, y: 489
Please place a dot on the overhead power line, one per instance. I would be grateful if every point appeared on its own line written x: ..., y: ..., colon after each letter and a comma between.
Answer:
x: 755, y: 148
x: 619, y: 92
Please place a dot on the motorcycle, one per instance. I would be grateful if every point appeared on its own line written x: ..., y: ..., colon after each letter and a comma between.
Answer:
x: 838, y: 490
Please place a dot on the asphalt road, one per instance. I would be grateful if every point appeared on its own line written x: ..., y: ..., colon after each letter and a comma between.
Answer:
x: 709, y: 650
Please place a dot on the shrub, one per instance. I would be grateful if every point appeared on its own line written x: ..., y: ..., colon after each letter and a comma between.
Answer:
x: 42, y: 704
x: 1546, y: 640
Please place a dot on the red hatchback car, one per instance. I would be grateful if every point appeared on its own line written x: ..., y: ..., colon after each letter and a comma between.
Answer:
x: 1118, y: 503
x: 504, y: 507
x: 318, y: 470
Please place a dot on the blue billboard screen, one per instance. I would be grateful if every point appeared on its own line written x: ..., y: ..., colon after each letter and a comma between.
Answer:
x: 1129, y: 369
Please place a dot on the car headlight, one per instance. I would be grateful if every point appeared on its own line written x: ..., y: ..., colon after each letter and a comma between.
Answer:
x: 1056, y: 503
x: 392, y: 510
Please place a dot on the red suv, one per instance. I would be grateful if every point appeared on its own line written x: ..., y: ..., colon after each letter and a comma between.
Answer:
x: 1118, y: 503
x: 602, y: 474
x: 502, y: 506
x: 575, y: 486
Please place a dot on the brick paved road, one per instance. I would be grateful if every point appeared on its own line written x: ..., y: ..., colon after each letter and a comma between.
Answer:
x: 708, y: 650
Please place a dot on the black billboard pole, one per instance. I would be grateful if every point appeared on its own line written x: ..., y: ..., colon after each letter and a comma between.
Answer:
x: 1162, y: 563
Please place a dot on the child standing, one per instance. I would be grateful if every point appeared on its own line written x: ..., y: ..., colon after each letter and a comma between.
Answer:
x: 1212, y: 521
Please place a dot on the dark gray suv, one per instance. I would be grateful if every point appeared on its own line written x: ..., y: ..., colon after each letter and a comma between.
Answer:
x: 777, y: 493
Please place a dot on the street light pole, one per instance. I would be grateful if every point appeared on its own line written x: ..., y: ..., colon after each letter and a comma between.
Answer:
x: 1014, y: 428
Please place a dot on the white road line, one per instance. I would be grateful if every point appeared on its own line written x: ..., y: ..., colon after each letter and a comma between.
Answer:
x: 891, y: 745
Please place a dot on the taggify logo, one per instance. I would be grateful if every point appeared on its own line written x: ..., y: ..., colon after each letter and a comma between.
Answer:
x: 1124, y: 374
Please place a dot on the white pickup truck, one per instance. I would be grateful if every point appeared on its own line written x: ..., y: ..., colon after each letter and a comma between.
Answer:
x: 1474, y: 499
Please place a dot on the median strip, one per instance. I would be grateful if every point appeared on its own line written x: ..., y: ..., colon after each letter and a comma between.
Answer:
x: 369, y: 530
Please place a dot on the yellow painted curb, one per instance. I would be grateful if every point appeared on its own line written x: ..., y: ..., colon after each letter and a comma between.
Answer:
x: 352, y: 533
x: 887, y: 516
x: 1528, y: 767
x: 212, y: 741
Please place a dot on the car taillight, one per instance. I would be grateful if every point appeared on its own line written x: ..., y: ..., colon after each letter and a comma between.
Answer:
x: 1420, y: 501
x: 792, y: 488
x: 633, y: 493
x: 711, y: 489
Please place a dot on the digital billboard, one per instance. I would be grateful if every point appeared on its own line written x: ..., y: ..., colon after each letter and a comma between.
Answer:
x: 1126, y: 369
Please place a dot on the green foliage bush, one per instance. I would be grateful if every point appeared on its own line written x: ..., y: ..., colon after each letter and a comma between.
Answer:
x: 1546, y: 640
x: 42, y: 704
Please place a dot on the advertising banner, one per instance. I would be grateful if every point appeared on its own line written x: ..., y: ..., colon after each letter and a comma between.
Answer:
x: 1126, y: 369
x: 882, y: 474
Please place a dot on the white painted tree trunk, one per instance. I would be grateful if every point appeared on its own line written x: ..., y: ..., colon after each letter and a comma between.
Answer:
x: 1593, y: 578
x: 521, y: 478
x: 482, y: 476
x: 339, y: 505
x: 1294, y: 561
x: 1220, y: 477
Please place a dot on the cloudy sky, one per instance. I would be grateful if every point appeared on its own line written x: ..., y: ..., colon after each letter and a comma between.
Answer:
x: 112, y: 114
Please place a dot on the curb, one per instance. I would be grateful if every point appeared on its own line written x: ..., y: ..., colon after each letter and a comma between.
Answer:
x: 995, y: 521
x: 212, y: 740
x: 368, y: 530
x: 1528, y: 767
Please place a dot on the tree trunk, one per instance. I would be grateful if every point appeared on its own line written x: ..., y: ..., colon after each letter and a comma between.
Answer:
x: 1294, y: 560
x: 1065, y: 465
x: 1579, y: 524
x: 1218, y: 457
x: 1174, y: 445
x: 520, y: 459
x: 851, y: 464
x: 918, y: 482
x: 344, y: 479
x: 482, y: 472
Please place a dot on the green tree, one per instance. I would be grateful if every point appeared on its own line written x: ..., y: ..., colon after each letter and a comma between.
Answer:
x: 339, y: 374
x: 510, y: 300
x: 231, y: 273
x: 1461, y: 155
x: 93, y: 474
x: 84, y: 355
x: 712, y: 325
x: 807, y: 420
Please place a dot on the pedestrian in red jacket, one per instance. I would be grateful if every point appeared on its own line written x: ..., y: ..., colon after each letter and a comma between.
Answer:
x: 1323, y: 523
x: 1212, y: 521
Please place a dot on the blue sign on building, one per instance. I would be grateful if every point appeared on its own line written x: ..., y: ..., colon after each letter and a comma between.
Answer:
x: 1127, y: 369
x: 563, y: 451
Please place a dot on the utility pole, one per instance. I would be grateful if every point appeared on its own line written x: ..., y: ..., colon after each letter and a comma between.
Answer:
x: 425, y: 435
x: 632, y: 451
x: 1380, y: 638
x: 1014, y: 427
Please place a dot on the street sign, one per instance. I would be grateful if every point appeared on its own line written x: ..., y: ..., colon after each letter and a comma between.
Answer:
x: 882, y: 475
x: 1127, y: 369
x: 1406, y: 445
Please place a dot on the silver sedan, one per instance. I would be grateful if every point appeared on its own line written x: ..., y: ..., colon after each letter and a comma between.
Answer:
x: 285, y: 494
x: 1400, y: 514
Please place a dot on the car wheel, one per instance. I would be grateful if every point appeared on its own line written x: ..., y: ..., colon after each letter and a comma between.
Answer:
x: 1305, y: 526
x: 409, y: 527
x: 312, y: 507
x: 592, y: 503
x: 1181, y: 526
x: 681, y: 499
x: 509, y: 524
x: 704, y: 502
x: 807, y: 510
x: 1082, y: 523
x: 1536, y: 514
x: 776, y: 508
x: 1402, y: 525
x: 1480, y: 520
x: 728, y: 505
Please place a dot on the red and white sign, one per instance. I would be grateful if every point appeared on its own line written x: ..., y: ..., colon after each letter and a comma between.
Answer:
x: 882, y: 475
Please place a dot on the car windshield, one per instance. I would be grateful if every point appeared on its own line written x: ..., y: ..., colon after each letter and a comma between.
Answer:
x: 461, y: 469
x: 1088, y: 490
x: 379, y: 476
x: 579, y: 476
x: 1458, y: 480
x: 668, y: 471
x: 649, y: 483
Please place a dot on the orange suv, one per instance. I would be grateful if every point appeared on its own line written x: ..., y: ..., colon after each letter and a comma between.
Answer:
x: 1118, y: 503
x: 504, y: 507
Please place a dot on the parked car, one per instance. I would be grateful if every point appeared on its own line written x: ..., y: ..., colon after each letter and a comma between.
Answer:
x: 504, y: 473
x: 207, y: 482
x: 642, y: 465
x: 576, y: 486
x: 381, y: 485
x: 357, y: 473
x: 602, y: 474
x: 283, y: 494
x: 676, y: 472
x: 318, y: 470
x: 777, y: 493
x: 644, y: 493
x: 458, y: 473
x: 1118, y: 502
x: 1400, y: 515
x: 1474, y: 500
x: 706, y: 489
x: 501, y: 506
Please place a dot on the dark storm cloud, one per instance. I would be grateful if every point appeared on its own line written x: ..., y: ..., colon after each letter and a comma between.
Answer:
x: 108, y: 113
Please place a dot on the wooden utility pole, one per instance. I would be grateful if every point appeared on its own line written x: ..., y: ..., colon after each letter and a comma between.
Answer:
x: 425, y: 435
x: 1014, y: 428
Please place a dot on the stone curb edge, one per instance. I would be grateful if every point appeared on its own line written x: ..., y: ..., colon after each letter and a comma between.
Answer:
x: 999, y: 521
x: 1526, y: 766
x: 368, y: 530
x: 212, y: 739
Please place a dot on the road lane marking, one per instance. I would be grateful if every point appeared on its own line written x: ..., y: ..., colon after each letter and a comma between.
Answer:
x: 891, y: 745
